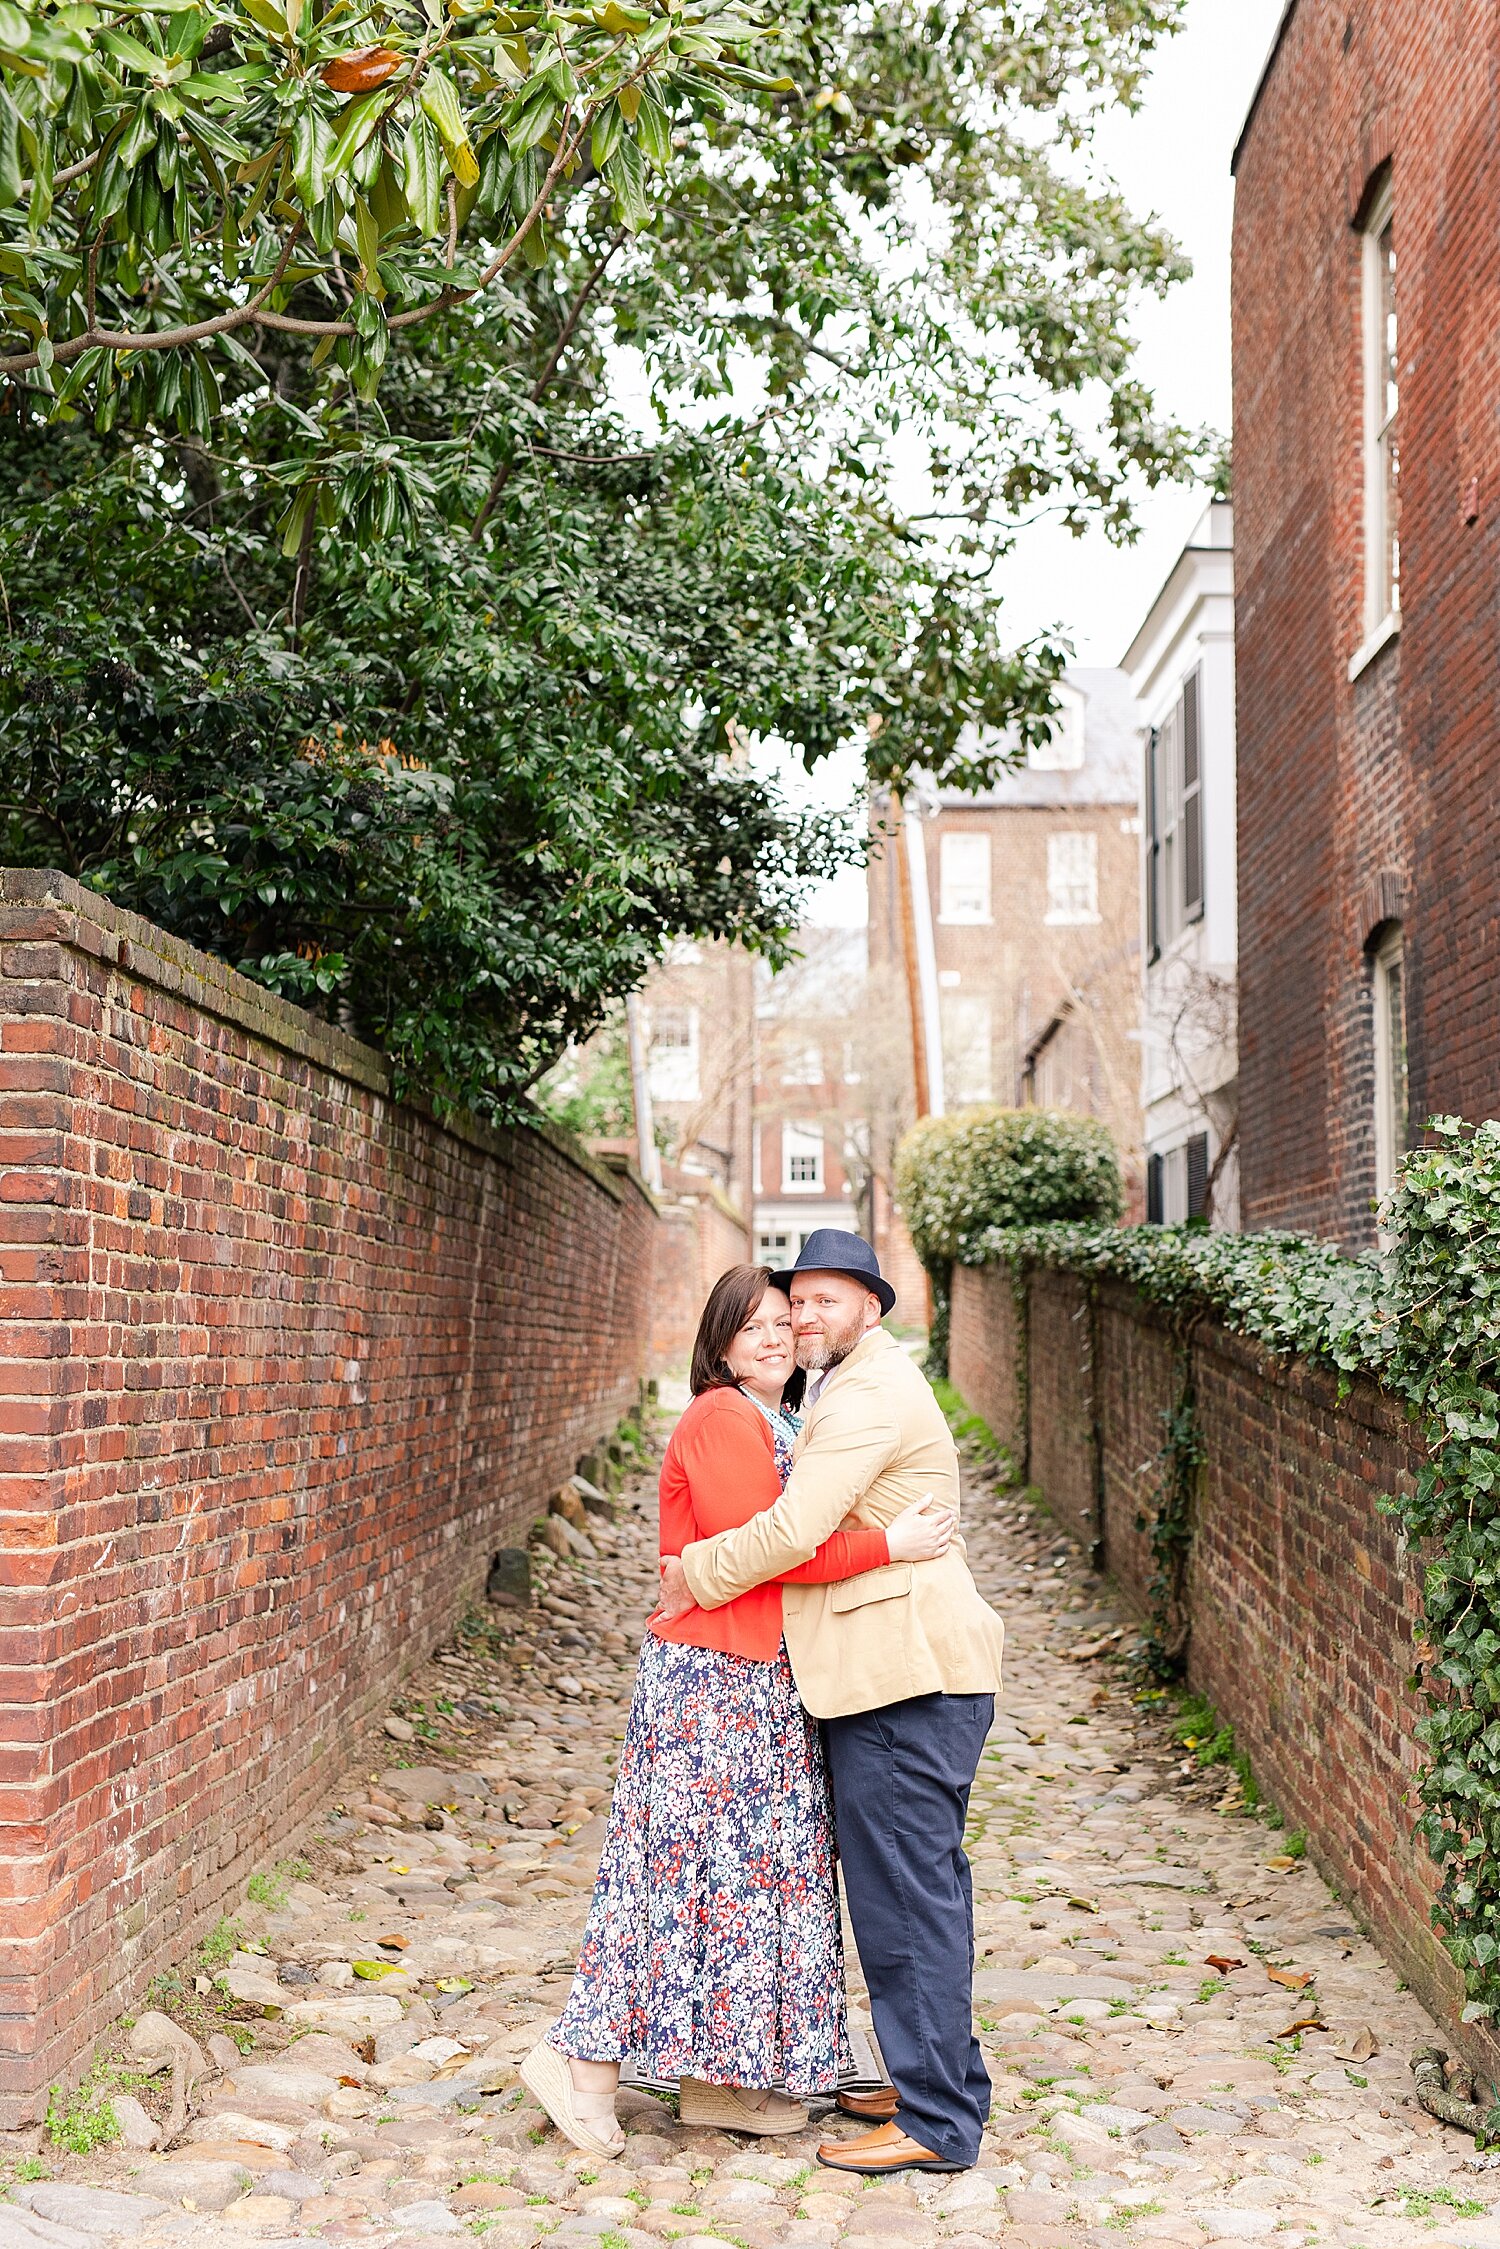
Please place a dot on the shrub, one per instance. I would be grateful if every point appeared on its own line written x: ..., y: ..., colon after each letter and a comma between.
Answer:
x: 959, y: 1176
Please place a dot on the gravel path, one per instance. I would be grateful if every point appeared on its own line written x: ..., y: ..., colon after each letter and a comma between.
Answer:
x: 1143, y: 1954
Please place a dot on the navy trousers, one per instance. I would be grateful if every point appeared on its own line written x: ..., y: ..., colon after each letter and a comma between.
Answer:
x: 901, y: 1780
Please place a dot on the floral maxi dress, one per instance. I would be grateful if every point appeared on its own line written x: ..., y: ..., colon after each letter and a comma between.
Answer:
x: 713, y: 1948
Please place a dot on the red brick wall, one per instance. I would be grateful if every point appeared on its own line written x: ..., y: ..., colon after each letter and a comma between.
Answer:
x: 280, y: 1364
x: 1060, y: 1393
x: 1339, y: 779
x: 1301, y: 1601
x: 699, y: 1237
x: 986, y: 1354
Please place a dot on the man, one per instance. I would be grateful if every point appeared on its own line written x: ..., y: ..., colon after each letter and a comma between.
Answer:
x: 902, y: 1665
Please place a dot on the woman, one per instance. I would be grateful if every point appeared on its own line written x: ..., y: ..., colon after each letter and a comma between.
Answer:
x: 713, y: 1948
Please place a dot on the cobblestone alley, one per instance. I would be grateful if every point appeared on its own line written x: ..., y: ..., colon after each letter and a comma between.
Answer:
x: 1144, y: 1956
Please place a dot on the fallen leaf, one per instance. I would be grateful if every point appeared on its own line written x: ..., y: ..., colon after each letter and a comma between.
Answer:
x: 349, y: 2081
x: 1360, y: 2047
x: 1282, y: 1863
x: 1085, y: 1905
x: 1303, y: 2022
x: 370, y: 1971
x: 1289, y: 1978
x: 1223, y: 1962
x: 1034, y: 1739
x: 391, y: 1944
x: 1092, y: 1648
x: 454, y: 1983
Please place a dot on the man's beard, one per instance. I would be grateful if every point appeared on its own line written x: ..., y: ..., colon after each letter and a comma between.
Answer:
x: 817, y: 1353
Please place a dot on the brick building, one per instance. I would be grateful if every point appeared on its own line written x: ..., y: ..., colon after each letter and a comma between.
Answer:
x: 698, y: 1018
x: 1366, y: 343
x: 1032, y: 894
x: 811, y: 1140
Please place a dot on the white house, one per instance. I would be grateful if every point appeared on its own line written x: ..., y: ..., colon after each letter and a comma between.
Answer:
x: 1181, y: 669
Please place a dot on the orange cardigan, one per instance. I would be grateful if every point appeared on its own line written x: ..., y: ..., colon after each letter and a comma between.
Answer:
x: 719, y: 1470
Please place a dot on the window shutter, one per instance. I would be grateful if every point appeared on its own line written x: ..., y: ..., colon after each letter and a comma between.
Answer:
x: 1153, y: 855
x: 1197, y: 1175
x: 1192, y: 803
x: 1153, y: 1190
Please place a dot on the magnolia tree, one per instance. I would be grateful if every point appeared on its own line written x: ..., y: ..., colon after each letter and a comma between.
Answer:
x: 440, y: 439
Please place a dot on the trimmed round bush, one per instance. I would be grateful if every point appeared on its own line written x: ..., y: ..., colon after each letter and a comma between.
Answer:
x: 958, y: 1176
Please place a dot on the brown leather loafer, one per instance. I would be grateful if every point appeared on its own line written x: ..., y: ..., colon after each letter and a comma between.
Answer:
x: 875, y: 2107
x: 885, y: 2149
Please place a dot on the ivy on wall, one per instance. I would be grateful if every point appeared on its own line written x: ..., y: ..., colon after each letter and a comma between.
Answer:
x: 1423, y: 1320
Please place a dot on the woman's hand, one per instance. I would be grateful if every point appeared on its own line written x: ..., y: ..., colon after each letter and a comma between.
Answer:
x: 920, y: 1532
x: 675, y: 1599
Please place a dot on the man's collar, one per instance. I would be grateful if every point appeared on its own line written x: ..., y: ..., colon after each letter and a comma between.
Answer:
x: 867, y: 1344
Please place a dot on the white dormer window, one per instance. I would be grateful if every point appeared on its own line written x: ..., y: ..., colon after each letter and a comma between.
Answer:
x: 801, y: 1159
x: 673, y: 1065
x: 1062, y: 752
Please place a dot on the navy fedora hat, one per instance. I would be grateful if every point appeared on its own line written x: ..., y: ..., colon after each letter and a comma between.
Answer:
x: 829, y: 1250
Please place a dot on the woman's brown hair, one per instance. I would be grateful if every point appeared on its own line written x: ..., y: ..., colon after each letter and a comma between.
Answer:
x: 733, y: 1299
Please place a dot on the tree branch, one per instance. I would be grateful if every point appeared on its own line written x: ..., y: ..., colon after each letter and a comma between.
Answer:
x: 177, y: 339
x: 158, y: 339
x: 502, y: 474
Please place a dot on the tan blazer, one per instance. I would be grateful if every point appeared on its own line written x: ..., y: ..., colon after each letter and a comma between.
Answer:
x: 875, y: 1441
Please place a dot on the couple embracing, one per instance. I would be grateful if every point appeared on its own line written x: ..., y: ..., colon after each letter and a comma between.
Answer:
x: 818, y: 1631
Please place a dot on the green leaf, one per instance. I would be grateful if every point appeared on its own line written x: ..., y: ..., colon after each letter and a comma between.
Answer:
x: 312, y: 151
x: 129, y: 51
x: 269, y: 17
x: 12, y: 179
x: 367, y: 238
x: 422, y: 173
x: 654, y: 132
x: 625, y: 175
x: 440, y: 101
x: 356, y: 126
x: 608, y: 130
x: 530, y: 119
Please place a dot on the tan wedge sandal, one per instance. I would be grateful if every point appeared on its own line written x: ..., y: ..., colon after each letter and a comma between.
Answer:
x: 727, y: 2108
x: 545, y: 2073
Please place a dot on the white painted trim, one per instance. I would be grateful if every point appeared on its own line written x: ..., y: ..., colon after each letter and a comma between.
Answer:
x: 1372, y: 361
x: 1369, y: 649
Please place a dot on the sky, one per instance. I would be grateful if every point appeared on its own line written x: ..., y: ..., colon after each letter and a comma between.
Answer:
x: 1171, y: 159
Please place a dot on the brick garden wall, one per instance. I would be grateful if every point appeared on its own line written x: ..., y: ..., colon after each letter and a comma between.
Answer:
x: 1300, y: 1600
x: 281, y: 1363
x: 700, y: 1236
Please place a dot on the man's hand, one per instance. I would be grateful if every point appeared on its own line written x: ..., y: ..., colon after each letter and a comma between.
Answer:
x: 675, y: 1600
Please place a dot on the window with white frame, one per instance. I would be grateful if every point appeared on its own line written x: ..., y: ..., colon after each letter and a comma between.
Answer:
x: 964, y: 876
x: 1382, y: 548
x: 673, y: 1066
x: 801, y: 1159
x: 801, y: 1062
x: 1072, y: 877
x: 1388, y: 991
x: 1174, y: 819
x: 1062, y: 751
x: 968, y: 1057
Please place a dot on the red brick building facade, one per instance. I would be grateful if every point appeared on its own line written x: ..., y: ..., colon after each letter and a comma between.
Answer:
x: 1367, y: 567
